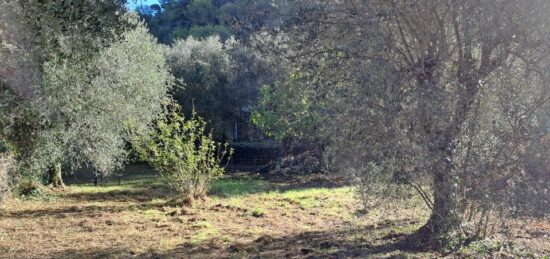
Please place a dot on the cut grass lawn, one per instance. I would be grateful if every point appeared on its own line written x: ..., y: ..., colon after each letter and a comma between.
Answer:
x: 244, y: 216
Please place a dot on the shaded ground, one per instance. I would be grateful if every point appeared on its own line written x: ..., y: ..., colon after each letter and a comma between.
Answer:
x: 258, y: 216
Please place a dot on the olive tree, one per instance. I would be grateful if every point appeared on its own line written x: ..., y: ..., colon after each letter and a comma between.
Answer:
x: 96, y: 69
x: 453, y: 95
x: 93, y: 99
x: 218, y: 79
x: 19, y: 72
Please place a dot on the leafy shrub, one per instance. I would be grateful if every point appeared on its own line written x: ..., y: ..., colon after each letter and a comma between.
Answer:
x: 285, y: 110
x: 30, y: 189
x: 183, y: 152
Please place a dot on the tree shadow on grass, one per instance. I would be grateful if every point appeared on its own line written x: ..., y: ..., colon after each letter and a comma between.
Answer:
x: 92, y: 253
x: 353, y: 242
x: 76, y: 211
x: 130, y: 200
x: 375, y: 241
x: 141, y: 194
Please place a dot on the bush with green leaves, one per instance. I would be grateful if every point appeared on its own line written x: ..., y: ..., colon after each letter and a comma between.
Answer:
x: 183, y: 152
x: 287, y: 111
x: 68, y: 88
x: 219, y: 79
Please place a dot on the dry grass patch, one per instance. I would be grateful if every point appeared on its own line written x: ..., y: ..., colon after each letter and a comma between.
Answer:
x: 275, y: 218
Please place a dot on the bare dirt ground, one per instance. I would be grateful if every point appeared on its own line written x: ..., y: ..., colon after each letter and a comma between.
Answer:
x: 244, y: 217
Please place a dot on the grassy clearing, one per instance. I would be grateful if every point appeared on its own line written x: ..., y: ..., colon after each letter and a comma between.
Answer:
x: 243, y: 217
x: 238, y: 187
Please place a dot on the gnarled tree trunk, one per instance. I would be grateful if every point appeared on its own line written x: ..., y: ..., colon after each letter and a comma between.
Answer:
x: 443, y: 220
x: 56, y: 177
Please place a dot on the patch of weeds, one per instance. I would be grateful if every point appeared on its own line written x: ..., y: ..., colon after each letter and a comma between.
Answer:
x: 227, y: 239
x: 360, y: 212
x: 282, y: 205
x: 168, y: 244
x: 330, y: 214
x: 236, y: 202
x: 290, y: 201
x: 157, y: 201
x: 317, y: 197
x: 258, y: 213
x: 126, y: 218
x: 32, y: 191
x: 89, y: 188
x: 231, y: 188
x: 202, y: 225
x: 179, y: 202
x: 152, y: 214
x: 482, y: 247
x: 206, y: 234
x: 406, y: 228
x: 134, y: 207
x: 253, y: 231
x: 302, y: 203
x: 328, y: 247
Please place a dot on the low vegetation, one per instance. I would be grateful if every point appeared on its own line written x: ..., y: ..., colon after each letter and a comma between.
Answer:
x: 251, y: 216
x: 183, y: 152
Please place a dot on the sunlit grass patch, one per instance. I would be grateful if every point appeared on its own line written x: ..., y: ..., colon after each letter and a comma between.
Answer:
x: 152, y: 214
x: 330, y: 200
x: 258, y: 212
x: 202, y: 225
x: 88, y: 188
x: 130, y: 180
x: 316, y: 197
x: 208, y: 232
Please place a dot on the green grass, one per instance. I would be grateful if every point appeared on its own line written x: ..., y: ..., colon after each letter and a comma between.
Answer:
x: 232, y: 188
x: 148, y: 216
x: 258, y: 212
x: 202, y: 225
x: 208, y: 231
x: 314, y: 197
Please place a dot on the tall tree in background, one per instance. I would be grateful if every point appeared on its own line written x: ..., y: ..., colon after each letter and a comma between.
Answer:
x: 453, y: 94
x: 172, y: 20
x: 221, y: 77
x: 218, y: 80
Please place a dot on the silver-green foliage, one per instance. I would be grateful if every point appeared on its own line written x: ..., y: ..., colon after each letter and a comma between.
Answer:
x: 218, y: 78
x: 285, y: 111
x: 183, y: 152
x: 452, y: 95
x: 204, y: 68
x: 86, y: 102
